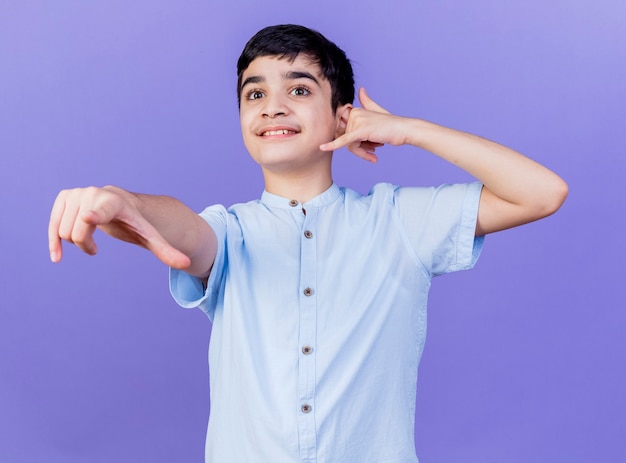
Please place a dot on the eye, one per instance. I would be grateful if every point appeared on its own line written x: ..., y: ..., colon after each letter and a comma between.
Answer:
x: 254, y: 95
x: 300, y: 91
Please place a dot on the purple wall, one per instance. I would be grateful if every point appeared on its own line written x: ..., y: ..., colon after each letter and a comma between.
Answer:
x: 526, y: 353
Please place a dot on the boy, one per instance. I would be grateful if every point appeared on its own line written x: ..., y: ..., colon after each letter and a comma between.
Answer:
x: 317, y: 294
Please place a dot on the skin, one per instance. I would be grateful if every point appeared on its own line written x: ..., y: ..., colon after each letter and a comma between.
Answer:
x: 278, y: 94
x: 517, y: 190
x: 175, y: 234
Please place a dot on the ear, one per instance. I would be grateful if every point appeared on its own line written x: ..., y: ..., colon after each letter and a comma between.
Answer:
x: 342, y: 115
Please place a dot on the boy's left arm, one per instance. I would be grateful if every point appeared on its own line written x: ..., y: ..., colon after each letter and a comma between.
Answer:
x: 516, y: 189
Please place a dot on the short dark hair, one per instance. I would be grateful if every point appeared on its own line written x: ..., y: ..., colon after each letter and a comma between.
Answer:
x: 290, y: 40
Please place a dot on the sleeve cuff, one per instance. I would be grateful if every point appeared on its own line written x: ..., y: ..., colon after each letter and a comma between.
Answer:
x: 187, y: 290
x: 469, y: 245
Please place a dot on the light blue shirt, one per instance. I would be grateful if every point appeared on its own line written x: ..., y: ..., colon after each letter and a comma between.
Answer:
x: 319, y: 319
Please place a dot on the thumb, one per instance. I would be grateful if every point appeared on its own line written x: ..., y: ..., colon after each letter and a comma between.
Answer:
x: 167, y: 254
x: 369, y: 104
x: 154, y: 242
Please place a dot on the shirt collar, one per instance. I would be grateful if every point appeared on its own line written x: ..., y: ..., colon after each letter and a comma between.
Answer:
x: 320, y: 200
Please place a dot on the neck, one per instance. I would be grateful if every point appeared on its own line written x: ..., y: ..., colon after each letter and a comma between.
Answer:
x: 301, y: 185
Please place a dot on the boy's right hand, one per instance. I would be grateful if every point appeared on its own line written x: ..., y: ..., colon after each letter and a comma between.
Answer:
x: 77, y: 213
x: 368, y: 128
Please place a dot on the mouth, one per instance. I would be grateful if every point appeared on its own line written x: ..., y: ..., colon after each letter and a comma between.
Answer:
x: 277, y: 132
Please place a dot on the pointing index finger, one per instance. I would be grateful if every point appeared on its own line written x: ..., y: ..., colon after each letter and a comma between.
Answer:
x: 54, y: 240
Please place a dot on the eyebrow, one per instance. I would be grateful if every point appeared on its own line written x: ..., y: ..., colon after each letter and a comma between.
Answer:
x: 291, y: 75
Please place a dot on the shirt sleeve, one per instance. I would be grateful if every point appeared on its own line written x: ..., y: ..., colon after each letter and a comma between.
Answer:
x: 187, y: 290
x: 440, y: 224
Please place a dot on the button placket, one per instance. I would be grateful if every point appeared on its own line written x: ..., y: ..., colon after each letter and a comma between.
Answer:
x: 307, y: 336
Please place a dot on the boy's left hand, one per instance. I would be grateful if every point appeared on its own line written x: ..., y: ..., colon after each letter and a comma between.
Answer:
x: 368, y: 128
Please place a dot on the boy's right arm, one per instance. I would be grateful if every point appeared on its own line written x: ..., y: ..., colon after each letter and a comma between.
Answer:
x: 516, y: 190
x: 163, y: 225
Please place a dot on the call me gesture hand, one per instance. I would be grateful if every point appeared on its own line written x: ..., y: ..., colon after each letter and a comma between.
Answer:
x: 368, y: 128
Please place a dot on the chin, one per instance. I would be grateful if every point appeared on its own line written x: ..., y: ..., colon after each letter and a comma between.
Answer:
x: 274, y: 154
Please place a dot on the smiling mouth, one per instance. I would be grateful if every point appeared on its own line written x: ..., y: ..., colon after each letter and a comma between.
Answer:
x: 272, y: 133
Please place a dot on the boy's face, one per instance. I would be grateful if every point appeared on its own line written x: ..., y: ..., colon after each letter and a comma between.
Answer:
x: 286, y: 113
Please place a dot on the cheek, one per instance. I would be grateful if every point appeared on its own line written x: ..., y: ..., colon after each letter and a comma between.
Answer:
x: 248, y: 139
x: 248, y: 142
x: 334, y: 128
x: 325, y: 125
x: 245, y: 126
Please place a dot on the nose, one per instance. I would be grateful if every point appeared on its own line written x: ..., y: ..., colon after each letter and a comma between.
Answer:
x: 275, y: 106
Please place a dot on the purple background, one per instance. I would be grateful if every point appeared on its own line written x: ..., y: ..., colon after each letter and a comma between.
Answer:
x: 526, y: 353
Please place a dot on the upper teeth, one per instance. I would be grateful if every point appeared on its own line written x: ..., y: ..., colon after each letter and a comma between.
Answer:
x: 277, y: 132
